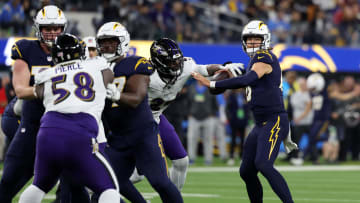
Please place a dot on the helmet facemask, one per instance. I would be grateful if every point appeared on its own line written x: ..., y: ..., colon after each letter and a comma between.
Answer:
x: 113, y: 30
x: 50, y: 17
x: 170, y: 70
x: 109, y: 48
x: 255, y: 46
x: 256, y: 29
x: 48, y: 37
x: 167, y: 59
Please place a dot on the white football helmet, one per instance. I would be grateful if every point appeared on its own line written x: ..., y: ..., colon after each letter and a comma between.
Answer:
x: 49, y: 16
x: 256, y: 28
x: 315, y: 82
x: 90, y: 42
x: 111, y: 30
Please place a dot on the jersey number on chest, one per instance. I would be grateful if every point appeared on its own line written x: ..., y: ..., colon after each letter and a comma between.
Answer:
x: 84, y: 83
x: 120, y: 84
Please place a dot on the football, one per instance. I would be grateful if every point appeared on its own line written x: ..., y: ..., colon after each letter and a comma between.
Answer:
x: 222, y: 75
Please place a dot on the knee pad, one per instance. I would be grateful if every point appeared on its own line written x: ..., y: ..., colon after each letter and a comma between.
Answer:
x: 32, y: 194
x: 181, y: 164
x: 109, y: 195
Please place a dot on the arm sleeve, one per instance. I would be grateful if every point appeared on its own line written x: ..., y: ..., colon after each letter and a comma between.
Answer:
x: 237, y: 82
x: 202, y: 69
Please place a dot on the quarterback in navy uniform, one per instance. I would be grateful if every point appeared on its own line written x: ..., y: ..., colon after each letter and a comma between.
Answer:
x: 134, y: 139
x: 30, y: 56
x: 264, y: 94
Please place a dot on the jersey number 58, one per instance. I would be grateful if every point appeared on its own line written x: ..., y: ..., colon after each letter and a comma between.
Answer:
x: 84, y: 91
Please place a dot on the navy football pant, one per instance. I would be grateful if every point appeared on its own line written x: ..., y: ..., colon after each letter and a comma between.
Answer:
x: 149, y: 158
x: 317, y: 128
x: 9, y: 125
x: 260, y: 151
x: 19, y: 162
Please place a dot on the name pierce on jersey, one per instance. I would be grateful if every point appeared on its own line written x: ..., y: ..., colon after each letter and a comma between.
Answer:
x: 63, y: 69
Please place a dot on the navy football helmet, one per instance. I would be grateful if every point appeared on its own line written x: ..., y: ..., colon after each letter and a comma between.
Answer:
x: 67, y: 47
x: 167, y: 59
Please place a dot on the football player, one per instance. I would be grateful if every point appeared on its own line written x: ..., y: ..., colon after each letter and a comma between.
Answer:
x: 172, y: 70
x: 73, y: 93
x: 90, y: 51
x: 134, y: 139
x: 321, y: 105
x: 30, y: 56
x: 264, y: 94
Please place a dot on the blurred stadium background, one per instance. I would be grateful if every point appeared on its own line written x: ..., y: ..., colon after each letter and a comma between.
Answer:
x: 307, y: 36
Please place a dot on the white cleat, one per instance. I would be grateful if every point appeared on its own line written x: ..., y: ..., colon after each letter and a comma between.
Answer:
x: 297, y: 161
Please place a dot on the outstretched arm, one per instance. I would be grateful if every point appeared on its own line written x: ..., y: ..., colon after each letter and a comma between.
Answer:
x: 258, y: 70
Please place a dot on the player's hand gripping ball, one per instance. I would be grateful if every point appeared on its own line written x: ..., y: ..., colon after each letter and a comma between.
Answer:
x: 220, y: 75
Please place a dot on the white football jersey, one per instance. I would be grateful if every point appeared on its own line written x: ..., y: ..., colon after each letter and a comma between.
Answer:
x: 161, y: 95
x: 75, y: 87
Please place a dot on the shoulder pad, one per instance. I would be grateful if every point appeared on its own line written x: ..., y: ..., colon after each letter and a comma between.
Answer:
x: 143, y: 66
x: 19, y: 48
x: 263, y: 56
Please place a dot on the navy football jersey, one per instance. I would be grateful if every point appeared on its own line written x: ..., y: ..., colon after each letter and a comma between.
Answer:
x: 265, y: 95
x: 31, y: 52
x: 121, y: 118
x: 321, y: 105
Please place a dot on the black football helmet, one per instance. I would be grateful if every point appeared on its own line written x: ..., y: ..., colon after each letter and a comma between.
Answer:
x: 167, y: 59
x: 67, y: 47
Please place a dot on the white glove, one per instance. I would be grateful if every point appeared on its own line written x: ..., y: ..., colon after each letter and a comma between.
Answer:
x: 112, y: 92
x: 289, y: 144
x: 236, y: 69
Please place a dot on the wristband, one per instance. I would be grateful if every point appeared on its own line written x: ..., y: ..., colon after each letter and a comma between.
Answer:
x: 212, y: 84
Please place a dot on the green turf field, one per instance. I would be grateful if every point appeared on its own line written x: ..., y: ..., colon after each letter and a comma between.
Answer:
x: 221, y: 184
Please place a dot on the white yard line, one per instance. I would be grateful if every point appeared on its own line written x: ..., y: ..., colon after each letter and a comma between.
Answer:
x: 151, y: 195
x: 280, y: 168
x: 297, y: 199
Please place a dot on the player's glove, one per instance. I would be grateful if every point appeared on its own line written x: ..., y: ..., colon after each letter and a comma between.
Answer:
x: 289, y: 144
x: 236, y: 69
x: 112, y: 92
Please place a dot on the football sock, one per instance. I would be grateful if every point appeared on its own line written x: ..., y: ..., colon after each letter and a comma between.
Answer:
x: 178, y: 171
x: 32, y: 194
x: 109, y: 195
